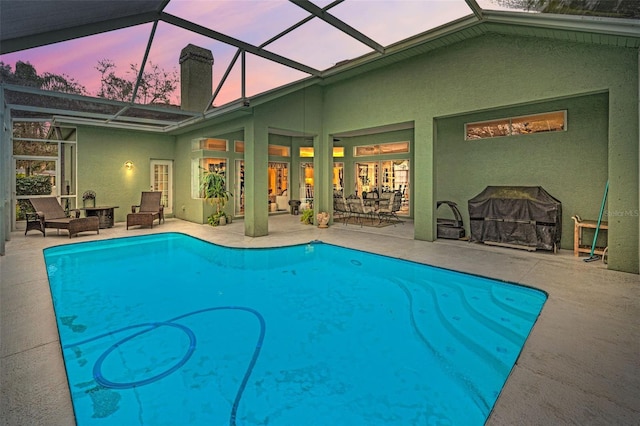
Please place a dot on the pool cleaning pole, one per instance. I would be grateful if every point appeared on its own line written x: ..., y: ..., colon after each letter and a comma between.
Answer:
x: 591, y: 258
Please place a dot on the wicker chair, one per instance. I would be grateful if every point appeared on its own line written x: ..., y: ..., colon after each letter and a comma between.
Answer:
x: 149, y: 209
x: 50, y: 214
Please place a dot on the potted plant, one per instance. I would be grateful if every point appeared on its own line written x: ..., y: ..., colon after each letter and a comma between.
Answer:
x: 307, y: 217
x: 214, y: 188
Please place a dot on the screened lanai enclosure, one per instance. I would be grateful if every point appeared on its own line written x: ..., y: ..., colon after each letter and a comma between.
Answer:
x: 303, y: 100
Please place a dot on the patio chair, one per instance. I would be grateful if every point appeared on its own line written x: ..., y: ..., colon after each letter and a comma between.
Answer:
x: 389, y: 211
x: 341, y: 208
x: 359, y: 210
x: 50, y: 214
x: 149, y: 209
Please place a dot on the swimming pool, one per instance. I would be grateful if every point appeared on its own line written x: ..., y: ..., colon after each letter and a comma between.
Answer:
x: 169, y: 329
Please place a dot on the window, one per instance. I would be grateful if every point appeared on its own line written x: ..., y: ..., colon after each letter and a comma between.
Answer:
x: 537, y: 123
x: 45, y: 163
x: 381, y: 149
x: 239, y: 146
x: 210, y: 144
x: 198, y: 168
x: 307, y: 151
x: 279, y: 150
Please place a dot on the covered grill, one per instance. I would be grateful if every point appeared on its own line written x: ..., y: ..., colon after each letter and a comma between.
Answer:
x: 516, y: 216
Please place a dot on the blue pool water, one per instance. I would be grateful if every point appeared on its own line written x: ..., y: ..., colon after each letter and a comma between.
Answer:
x: 168, y: 329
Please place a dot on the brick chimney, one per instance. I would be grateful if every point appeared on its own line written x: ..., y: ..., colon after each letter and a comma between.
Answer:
x: 196, y: 72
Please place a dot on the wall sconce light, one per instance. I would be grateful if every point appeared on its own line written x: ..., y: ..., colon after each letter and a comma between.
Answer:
x: 128, y: 165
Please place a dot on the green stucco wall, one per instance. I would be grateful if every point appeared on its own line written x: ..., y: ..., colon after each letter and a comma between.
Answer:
x: 571, y: 165
x: 489, y: 76
x: 494, y: 71
x: 101, y: 157
x: 194, y: 209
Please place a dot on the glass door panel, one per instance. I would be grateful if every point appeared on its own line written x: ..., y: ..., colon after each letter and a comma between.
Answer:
x: 306, y: 185
x: 338, y: 179
x: 68, y: 175
x: 366, y: 177
x: 384, y: 176
x: 239, y: 200
x: 395, y: 177
x: 278, y: 186
x: 162, y: 180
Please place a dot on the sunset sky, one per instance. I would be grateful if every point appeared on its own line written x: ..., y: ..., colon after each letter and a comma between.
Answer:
x: 315, y: 44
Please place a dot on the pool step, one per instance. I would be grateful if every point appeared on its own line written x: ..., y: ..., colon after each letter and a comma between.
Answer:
x: 478, y: 342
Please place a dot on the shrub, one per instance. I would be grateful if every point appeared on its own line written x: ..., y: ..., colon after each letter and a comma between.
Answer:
x: 30, y: 185
x: 307, y: 217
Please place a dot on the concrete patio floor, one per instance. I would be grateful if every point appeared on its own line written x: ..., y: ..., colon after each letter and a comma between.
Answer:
x: 580, y: 365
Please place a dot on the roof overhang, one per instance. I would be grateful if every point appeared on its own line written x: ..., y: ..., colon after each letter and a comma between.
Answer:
x: 36, y: 104
x: 24, y: 25
x: 78, y: 18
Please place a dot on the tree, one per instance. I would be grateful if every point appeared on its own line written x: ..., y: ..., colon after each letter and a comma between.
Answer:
x: 25, y: 74
x: 606, y: 8
x: 112, y: 86
x: 156, y: 85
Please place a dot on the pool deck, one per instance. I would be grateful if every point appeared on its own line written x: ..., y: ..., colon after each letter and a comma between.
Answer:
x: 580, y: 365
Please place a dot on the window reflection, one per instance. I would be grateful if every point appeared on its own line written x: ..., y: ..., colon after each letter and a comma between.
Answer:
x: 527, y: 124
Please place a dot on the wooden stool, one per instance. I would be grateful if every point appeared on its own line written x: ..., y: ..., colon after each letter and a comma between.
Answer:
x: 578, y: 246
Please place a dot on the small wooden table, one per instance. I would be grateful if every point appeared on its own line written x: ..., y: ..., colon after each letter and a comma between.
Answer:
x: 104, y: 213
x: 578, y: 246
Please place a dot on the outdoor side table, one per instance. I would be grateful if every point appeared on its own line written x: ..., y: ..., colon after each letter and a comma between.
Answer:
x: 579, y: 243
x: 104, y: 213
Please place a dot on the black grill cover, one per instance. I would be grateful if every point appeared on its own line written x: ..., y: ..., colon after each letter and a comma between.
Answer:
x: 516, y: 215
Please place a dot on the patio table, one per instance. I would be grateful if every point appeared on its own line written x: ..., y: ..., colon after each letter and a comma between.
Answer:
x: 104, y: 213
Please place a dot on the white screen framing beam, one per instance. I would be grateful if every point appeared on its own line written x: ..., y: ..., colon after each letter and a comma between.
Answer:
x: 337, y: 23
x: 140, y: 73
x: 477, y: 10
x: 204, y: 31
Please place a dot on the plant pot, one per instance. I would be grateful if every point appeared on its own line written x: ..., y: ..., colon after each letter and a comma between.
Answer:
x: 323, y: 220
x: 223, y: 220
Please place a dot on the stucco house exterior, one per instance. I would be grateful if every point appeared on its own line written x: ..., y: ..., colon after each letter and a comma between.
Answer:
x: 418, y: 101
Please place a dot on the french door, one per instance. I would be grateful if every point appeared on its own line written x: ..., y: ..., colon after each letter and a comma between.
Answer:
x: 162, y: 180
x: 384, y: 176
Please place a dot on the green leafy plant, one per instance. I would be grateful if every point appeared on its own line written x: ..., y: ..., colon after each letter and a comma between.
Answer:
x: 30, y: 185
x: 214, y: 189
x: 307, y: 217
x: 33, y: 185
x: 214, y: 219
